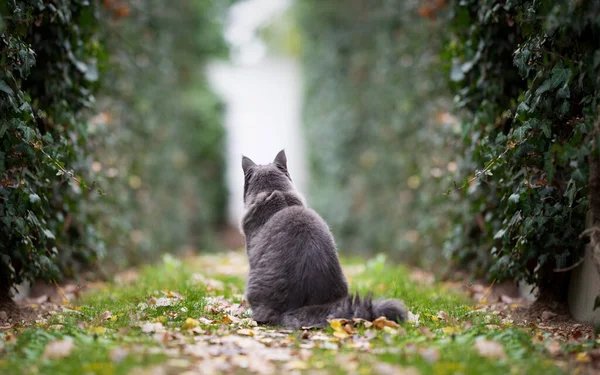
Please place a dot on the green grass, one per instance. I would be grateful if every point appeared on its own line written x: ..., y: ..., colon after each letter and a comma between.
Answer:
x: 431, y: 346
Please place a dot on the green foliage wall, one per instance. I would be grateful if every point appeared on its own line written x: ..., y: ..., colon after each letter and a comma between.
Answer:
x: 376, y: 122
x: 526, y: 77
x: 158, y: 137
x: 503, y: 189
x: 111, y: 141
x: 48, y: 74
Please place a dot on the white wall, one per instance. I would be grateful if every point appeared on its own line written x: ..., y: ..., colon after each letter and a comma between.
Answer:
x: 263, y: 104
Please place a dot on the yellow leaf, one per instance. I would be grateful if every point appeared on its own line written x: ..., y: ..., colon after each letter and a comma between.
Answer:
x: 191, y: 323
x: 98, y: 330
x: 483, y: 301
x: 341, y: 334
x: 582, y: 358
x: 336, y: 324
x: 450, y: 330
x: 161, y: 319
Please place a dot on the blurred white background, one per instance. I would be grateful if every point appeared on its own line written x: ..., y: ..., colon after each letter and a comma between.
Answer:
x: 262, y: 92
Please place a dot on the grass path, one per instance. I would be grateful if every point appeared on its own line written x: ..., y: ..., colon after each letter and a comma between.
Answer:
x: 187, y: 316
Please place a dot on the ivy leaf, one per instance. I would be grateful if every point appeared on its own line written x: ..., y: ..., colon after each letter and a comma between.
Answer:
x: 457, y: 74
x: 521, y: 132
x: 546, y: 129
x: 560, y: 76
x: 4, y: 87
x: 499, y: 234
x: 49, y: 234
x: 570, y: 192
x: 28, y: 132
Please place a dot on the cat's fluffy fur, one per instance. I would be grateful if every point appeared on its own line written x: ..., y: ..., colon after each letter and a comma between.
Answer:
x: 295, y: 275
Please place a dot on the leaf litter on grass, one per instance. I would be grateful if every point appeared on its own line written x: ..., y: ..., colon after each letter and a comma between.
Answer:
x: 190, y: 314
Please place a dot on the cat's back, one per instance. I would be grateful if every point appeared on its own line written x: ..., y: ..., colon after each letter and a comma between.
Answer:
x: 297, y: 225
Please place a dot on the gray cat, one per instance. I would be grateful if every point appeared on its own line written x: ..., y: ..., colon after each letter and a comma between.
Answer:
x: 295, y: 275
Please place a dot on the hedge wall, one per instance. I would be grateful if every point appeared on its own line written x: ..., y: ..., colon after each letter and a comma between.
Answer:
x: 503, y: 189
x: 376, y: 121
x: 526, y: 77
x: 158, y: 137
x: 111, y: 139
x: 48, y: 75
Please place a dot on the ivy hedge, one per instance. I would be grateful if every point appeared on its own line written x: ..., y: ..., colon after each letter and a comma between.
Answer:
x: 157, y: 134
x: 111, y: 141
x: 376, y: 118
x: 500, y: 183
x: 48, y: 76
x: 526, y: 78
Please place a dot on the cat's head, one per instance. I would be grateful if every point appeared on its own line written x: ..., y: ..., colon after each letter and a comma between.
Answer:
x: 266, y: 178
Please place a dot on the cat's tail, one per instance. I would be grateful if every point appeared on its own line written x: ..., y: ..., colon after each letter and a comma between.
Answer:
x: 345, y: 308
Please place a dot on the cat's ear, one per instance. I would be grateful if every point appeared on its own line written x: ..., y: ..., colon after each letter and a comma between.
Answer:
x: 281, y: 159
x: 247, y: 164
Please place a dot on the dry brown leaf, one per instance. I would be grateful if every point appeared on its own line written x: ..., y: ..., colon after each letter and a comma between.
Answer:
x: 388, y: 369
x: 425, y: 331
x: 58, y: 349
x: 118, y: 354
x: 443, y: 315
x: 548, y: 315
x: 106, y: 315
x: 245, y: 332
x: 490, y: 349
x: 382, y: 321
x: 431, y: 355
x: 554, y: 348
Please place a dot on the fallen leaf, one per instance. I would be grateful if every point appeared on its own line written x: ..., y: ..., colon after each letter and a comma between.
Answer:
x: 506, y: 299
x: 118, y: 354
x: 163, y: 302
x: 450, y: 330
x: 149, y: 327
x: 490, y: 349
x: 341, y: 334
x: 554, y: 348
x: 431, y: 355
x: 388, y: 369
x: 382, y: 321
x: 582, y: 357
x: 58, y: 349
x: 425, y: 331
x: 98, y: 330
x: 106, y: 315
x: 191, y: 323
x: 548, y: 315
x: 226, y: 319
x: 295, y: 365
x: 245, y: 332
x: 413, y: 318
x: 442, y: 315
